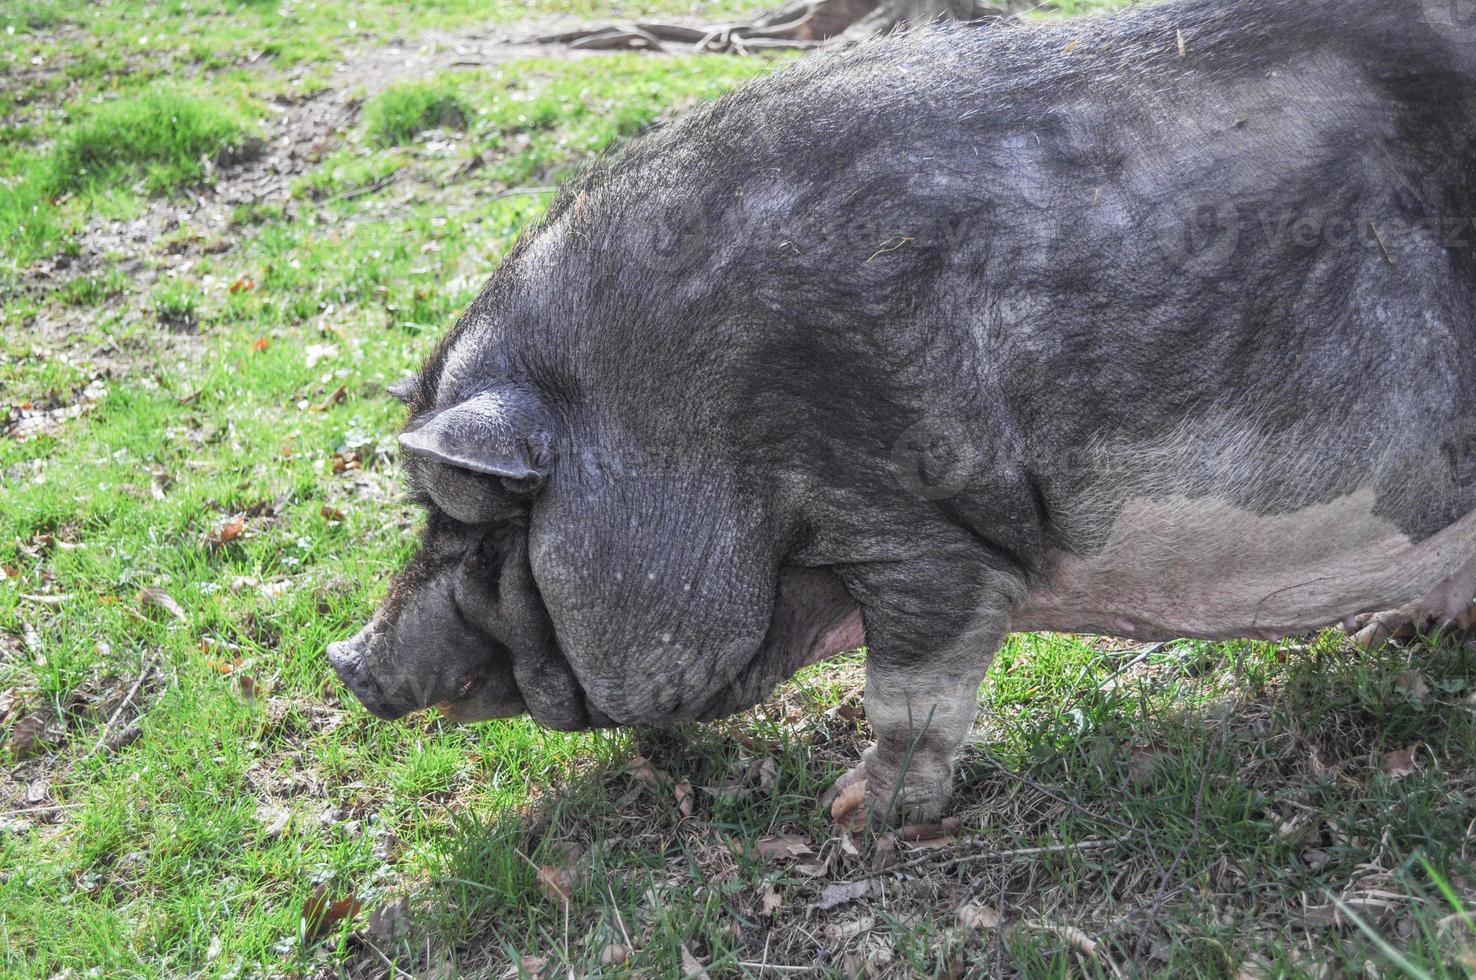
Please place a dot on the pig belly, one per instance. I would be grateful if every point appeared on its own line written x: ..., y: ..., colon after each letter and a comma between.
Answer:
x: 1202, y: 568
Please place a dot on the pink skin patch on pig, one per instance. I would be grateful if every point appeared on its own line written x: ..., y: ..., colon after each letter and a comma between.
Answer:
x: 1203, y: 568
x: 848, y: 634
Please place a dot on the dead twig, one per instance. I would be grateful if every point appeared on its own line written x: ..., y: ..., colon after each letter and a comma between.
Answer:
x: 371, y: 188
x: 949, y: 857
x: 144, y: 670
x: 1068, y: 801
x: 1382, y: 247
x: 519, y: 191
x: 776, y: 967
x: 44, y: 600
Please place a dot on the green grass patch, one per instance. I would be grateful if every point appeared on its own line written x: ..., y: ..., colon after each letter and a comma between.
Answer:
x: 93, y: 289
x: 157, y: 142
x: 399, y: 114
x: 220, y: 435
x: 163, y: 138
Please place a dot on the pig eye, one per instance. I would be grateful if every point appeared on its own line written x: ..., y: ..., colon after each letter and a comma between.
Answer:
x: 468, y: 497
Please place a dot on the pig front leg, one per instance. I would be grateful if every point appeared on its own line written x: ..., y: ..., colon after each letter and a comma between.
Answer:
x: 929, y: 646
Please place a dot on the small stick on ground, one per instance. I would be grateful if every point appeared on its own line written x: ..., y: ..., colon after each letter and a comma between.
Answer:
x: 519, y: 191
x: 372, y: 188
x: 144, y: 670
x: 946, y: 857
x: 44, y: 600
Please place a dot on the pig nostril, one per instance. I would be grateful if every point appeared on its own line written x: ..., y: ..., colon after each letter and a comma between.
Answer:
x: 345, y: 658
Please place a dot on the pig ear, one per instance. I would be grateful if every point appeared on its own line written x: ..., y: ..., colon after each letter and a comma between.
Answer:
x: 404, y: 390
x: 499, y: 433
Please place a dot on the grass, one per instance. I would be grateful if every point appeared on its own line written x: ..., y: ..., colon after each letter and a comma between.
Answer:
x: 160, y: 141
x: 161, y: 137
x: 405, y: 111
x: 205, y: 496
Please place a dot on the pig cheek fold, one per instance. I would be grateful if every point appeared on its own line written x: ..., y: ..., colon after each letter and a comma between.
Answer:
x: 465, y: 497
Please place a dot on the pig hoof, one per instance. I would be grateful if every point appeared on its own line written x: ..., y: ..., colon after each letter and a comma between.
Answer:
x: 1374, y: 630
x: 923, y: 797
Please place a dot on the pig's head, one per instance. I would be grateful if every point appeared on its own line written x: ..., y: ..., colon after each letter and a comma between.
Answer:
x: 463, y: 626
x: 581, y: 592
x: 603, y: 545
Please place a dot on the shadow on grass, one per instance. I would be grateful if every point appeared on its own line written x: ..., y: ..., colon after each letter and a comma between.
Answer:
x: 1211, y: 810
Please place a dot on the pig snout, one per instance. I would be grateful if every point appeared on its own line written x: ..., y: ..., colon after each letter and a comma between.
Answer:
x: 347, y: 658
x: 407, y: 663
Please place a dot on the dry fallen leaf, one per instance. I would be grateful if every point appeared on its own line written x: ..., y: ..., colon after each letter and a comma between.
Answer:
x: 229, y: 531
x: 535, y: 966
x: 274, y: 820
x: 321, y: 913
x: 764, y: 772
x: 841, y: 892
x: 1399, y: 763
x: 1413, y: 684
x: 692, y: 968
x: 858, y: 966
x: 1255, y: 967
x: 249, y: 688
x: 1143, y: 765
x: 770, y: 902
x: 243, y: 285
x: 977, y: 915
x: 152, y: 596
x: 391, y: 923
x: 331, y: 514
x: 683, y: 794
x: 648, y: 775
x: 783, y: 847
x: 848, y: 812
x: 557, y: 882
x: 29, y: 736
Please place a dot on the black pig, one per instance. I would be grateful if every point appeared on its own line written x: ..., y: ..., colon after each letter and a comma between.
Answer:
x: 1160, y: 324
